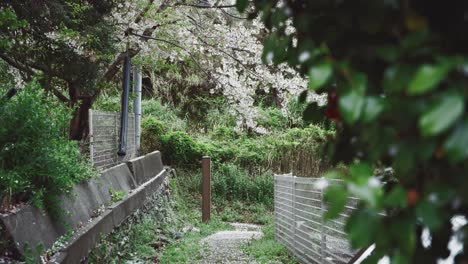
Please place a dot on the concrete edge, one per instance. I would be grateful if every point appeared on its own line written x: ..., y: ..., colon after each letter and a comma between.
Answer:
x: 86, y: 238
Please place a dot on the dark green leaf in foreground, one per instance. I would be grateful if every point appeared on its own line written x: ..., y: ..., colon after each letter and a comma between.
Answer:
x: 362, y: 227
x: 241, y: 5
x: 335, y: 196
x: 456, y: 145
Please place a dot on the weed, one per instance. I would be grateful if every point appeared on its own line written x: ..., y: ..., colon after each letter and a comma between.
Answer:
x: 116, y: 196
x: 267, y: 249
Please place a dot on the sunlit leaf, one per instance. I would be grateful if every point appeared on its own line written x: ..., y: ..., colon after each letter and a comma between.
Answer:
x: 442, y: 115
x: 351, y: 105
x: 373, y: 106
x: 319, y: 75
x: 427, y: 78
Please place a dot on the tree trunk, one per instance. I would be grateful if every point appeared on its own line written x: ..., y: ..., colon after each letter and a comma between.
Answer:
x: 79, y: 124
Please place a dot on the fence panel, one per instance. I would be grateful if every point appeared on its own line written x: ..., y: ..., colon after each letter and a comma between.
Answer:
x: 299, y: 223
x: 104, y: 138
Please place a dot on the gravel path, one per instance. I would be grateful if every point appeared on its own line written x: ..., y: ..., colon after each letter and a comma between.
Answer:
x: 224, y: 246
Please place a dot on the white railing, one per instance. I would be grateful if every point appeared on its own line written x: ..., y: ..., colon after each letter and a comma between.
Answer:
x: 299, y: 222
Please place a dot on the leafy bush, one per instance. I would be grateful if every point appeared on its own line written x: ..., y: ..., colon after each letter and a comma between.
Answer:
x: 151, y: 132
x: 109, y: 103
x: 178, y: 148
x: 230, y: 182
x: 225, y: 133
x: 167, y: 114
x: 272, y: 118
x: 37, y: 161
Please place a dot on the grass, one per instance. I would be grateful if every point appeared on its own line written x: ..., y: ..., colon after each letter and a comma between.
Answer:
x: 267, y: 249
x: 151, y: 238
x: 189, y: 249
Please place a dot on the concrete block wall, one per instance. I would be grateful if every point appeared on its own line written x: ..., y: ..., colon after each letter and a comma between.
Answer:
x: 89, y: 210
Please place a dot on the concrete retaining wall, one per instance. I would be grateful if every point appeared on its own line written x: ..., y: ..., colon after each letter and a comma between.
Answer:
x: 89, y: 210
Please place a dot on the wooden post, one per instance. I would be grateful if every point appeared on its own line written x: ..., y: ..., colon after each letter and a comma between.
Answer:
x: 206, y: 189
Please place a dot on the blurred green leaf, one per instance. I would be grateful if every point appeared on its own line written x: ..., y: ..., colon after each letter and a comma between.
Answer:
x: 427, y: 78
x: 402, y: 229
x: 319, y: 75
x: 361, y: 227
x: 336, y: 197
x: 303, y: 96
x: 429, y: 215
x: 241, y: 5
x: 313, y: 113
x: 360, y: 172
x: 396, y: 78
x: 366, y: 192
x: 456, y: 144
x: 373, y: 106
x: 351, y: 105
x: 441, y: 115
x: 396, y: 198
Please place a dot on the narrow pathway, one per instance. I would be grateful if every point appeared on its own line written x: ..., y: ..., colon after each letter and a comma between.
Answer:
x: 224, y: 246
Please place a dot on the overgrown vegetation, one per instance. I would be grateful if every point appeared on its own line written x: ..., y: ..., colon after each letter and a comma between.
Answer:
x: 37, y: 161
x: 267, y: 249
x: 168, y: 231
x: 243, y: 162
x: 287, y: 146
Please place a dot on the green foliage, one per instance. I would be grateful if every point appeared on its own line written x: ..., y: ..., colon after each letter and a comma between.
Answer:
x: 37, y: 161
x: 24, y: 34
x: 189, y: 249
x: 273, y: 119
x: 151, y: 132
x: 395, y: 75
x: 232, y: 183
x: 167, y: 114
x: 283, y: 150
x: 116, y: 196
x: 108, y: 103
x: 179, y: 148
x: 267, y: 249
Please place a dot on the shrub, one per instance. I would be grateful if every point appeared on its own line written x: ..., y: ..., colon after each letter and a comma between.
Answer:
x: 180, y: 149
x: 109, y: 103
x: 152, y: 131
x: 37, y: 161
x: 272, y: 118
x: 165, y: 113
x: 230, y: 182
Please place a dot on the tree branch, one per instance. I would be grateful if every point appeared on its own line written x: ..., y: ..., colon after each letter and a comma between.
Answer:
x: 17, y: 64
x: 204, y: 6
x: 179, y: 46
